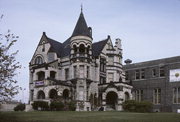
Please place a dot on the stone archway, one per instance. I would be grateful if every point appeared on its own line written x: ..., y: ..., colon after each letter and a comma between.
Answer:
x: 40, y: 95
x: 66, y: 94
x: 126, y: 96
x: 111, y: 100
x: 53, y: 94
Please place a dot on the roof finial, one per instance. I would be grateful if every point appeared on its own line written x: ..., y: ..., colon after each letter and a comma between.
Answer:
x: 81, y: 7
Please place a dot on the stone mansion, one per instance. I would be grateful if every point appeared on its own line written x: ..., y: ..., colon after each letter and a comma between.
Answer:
x: 79, y: 69
x: 91, y: 74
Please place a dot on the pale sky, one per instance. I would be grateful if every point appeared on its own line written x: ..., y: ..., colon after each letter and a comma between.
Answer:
x: 149, y: 29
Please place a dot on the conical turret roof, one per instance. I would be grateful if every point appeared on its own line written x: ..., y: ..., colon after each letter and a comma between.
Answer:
x: 81, y: 28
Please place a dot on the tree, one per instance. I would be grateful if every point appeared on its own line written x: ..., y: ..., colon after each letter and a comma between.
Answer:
x: 8, y: 66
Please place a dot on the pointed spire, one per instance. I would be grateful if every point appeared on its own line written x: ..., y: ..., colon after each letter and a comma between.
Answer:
x: 81, y: 7
x: 81, y: 28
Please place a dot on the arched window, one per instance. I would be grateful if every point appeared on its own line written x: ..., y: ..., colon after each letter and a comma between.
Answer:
x: 53, y: 94
x: 88, y: 48
x: 126, y: 96
x: 40, y: 95
x: 66, y: 94
x: 82, y: 48
x: 40, y: 75
x: 75, y: 48
x: 38, y: 60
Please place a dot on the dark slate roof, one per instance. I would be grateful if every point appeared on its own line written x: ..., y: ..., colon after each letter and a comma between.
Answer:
x: 163, y: 61
x: 55, y: 47
x: 81, y: 27
x: 97, y: 47
x: 61, y: 49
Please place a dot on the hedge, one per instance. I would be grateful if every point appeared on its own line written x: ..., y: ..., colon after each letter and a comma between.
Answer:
x: 40, y: 105
x: 134, y: 106
x: 20, y: 107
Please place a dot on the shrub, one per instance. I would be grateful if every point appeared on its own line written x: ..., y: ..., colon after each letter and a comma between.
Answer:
x: 40, y: 105
x: 143, y: 106
x: 72, y: 106
x: 129, y: 105
x: 20, y: 107
x: 133, y: 106
x: 57, y: 105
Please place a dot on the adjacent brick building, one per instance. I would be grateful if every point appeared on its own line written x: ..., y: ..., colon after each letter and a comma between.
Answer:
x: 157, y: 81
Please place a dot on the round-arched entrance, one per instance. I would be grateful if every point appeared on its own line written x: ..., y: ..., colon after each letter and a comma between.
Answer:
x: 126, y: 96
x: 111, y: 100
x: 66, y: 94
x: 53, y: 94
x: 40, y: 95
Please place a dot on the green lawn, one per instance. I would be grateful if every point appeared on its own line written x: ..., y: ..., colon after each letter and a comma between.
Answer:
x: 47, y: 116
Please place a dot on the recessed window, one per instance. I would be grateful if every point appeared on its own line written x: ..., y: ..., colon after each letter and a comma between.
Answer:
x: 153, y: 72
x: 139, y: 95
x: 87, y: 72
x: 40, y: 76
x: 161, y: 72
x: 142, y: 73
x: 102, y: 64
x: 52, y: 74
x: 157, y: 96
x: 66, y: 74
x: 81, y: 74
x: 127, y: 75
x: 111, y: 60
x: 137, y: 74
x: 176, y: 95
x: 51, y: 57
x: 38, y: 60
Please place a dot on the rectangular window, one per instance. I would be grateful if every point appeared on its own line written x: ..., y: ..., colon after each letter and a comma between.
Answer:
x: 153, y: 72
x: 127, y: 75
x: 176, y: 95
x: 75, y: 71
x: 157, y: 96
x: 81, y: 74
x: 139, y: 95
x: 110, y: 76
x: 66, y: 74
x: 51, y: 57
x: 111, y: 60
x: 161, y: 72
x: 88, y: 72
x: 137, y: 74
x: 142, y: 73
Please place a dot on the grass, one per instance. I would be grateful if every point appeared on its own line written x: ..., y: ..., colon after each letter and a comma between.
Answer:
x: 47, y: 116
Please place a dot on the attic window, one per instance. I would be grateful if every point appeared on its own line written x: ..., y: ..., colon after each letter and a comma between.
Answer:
x: 51, y: 57
x: 38, y: 60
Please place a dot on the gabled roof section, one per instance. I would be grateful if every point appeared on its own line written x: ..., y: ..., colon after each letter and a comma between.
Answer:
x: 55, y: 47
x: 97, y: 47
x: 61, y: 49
x: 81, y: 28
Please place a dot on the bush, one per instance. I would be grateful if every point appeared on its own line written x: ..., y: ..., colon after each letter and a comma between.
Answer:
x: 129, y: 105
x: 144, y: 106
x: 57, y: 106
x: 133, y: 106
x: 72, y: 106
x: 40, y: 105
x: 20, y: 107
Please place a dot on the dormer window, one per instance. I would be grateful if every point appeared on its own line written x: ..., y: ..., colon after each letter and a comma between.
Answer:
x: 38, y: 60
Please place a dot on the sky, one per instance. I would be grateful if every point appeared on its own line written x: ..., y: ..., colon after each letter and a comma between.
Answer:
x: 149, y: 29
